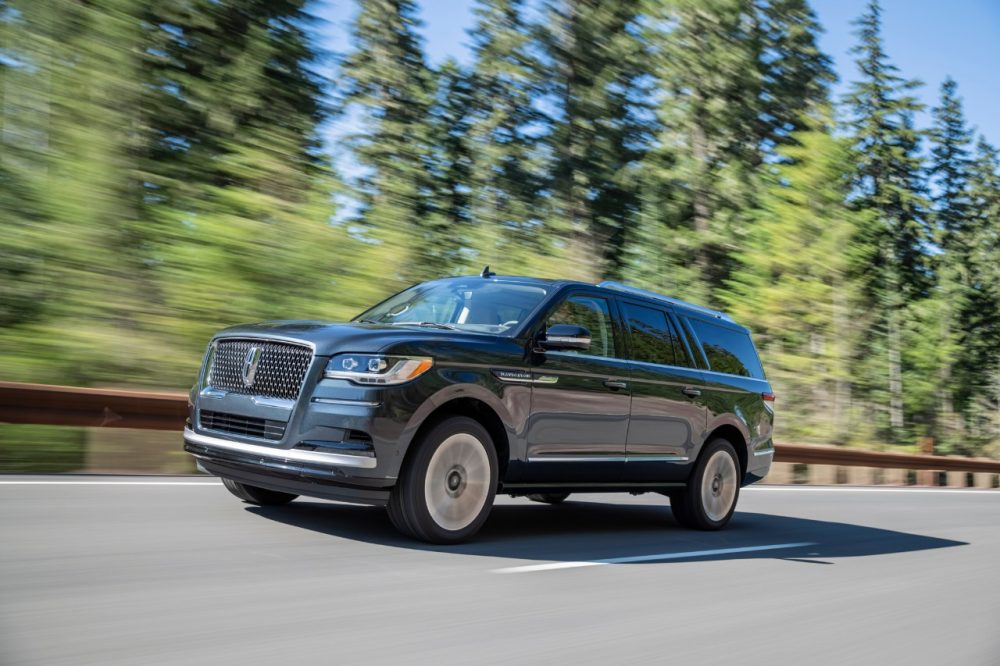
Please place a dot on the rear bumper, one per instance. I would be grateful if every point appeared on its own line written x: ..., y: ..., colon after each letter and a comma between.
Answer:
x: 759, y: 463
x: 311, y: 473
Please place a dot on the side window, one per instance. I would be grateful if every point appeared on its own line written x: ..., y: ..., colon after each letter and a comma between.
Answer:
x: 652, y: 336
x: 593, y: 313
x: 728, y: 350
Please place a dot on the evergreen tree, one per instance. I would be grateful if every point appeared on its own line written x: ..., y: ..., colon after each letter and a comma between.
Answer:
x: 950, y: 141
x: 449, y: 165
x: 978, y: 367
x: 891, y: 261
x: 793, y: 284
x: 793, y: 75
x: 596, y: 60
x: 736, y: 78
x: 387, y: 79
x: 949, y: 167
x: 507, y: 175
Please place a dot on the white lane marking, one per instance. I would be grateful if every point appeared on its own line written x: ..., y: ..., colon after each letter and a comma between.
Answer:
x: 861, y: 489
x: 651, y: 558
x: 209, y: 484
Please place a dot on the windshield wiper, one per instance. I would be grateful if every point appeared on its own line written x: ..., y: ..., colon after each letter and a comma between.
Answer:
x: 429, y: 324
x: 367, y: 321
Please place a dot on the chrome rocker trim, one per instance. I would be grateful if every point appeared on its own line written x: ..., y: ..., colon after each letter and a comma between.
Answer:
x: 331, y: 459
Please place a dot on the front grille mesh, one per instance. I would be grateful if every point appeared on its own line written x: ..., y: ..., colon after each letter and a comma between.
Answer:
x: 280, y: 371
x: 242, y: 425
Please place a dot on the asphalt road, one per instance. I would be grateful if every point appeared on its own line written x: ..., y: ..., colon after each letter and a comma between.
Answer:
x: 132, y: 570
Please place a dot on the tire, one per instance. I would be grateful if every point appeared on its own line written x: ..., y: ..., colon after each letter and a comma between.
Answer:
x: 548, y: 498
x: 258, y: 496
x: 709, y: 499
x: 446, y: 490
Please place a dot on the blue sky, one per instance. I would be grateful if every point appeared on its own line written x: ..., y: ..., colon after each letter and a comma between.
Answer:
x: 926, y: 39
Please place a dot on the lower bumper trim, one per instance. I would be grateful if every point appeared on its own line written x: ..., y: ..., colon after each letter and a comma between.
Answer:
x: 289, y: 482
x: 268, y: 453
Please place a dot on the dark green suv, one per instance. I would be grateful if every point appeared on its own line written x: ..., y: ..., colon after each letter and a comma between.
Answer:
x: 454, y: 390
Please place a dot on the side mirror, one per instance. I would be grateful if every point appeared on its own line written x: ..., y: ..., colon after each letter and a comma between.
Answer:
x: 565, y: 336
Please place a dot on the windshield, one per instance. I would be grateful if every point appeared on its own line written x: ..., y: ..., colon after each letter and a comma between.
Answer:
x: 468, y: 304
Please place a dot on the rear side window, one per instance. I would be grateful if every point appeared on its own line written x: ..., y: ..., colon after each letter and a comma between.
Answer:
x: 653, y: 337
x: 728, y: 350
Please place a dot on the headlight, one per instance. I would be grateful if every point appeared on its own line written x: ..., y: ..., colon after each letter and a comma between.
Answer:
x: 376, y: 368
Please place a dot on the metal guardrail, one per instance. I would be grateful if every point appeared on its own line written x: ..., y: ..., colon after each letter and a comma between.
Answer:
x: 46, y: 404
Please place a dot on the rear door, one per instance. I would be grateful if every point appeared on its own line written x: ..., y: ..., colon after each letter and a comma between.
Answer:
x: 580, y: 399
x: 668, y: 415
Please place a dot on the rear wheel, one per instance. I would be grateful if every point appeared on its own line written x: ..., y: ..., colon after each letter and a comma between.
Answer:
x: 446, y: 491
x: 548, y: 498
x: 255, y: 495
x: 709, y: 499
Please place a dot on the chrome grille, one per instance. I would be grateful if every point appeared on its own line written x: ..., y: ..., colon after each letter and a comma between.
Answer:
x: 242, y: 425
x: 281, y: 367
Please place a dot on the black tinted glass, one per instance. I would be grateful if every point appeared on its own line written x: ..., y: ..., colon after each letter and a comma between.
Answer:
x: 652, y: 337
x: 592, y: 313
x: 728, y: 350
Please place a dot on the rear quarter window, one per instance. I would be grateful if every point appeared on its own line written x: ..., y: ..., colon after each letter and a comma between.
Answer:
x: 728, y: 350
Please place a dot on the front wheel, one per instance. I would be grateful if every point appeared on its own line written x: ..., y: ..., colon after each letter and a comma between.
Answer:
x: 446, y: 490
x: 709, y: 499
x: 255, y: 495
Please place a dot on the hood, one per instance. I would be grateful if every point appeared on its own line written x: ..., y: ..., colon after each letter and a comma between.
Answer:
x: 332, y: 338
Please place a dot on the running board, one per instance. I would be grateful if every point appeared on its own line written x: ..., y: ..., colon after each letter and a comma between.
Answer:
x: 611, y: 487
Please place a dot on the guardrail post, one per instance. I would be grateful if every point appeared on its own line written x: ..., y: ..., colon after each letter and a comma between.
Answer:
x: 894, y: 477
x: 780, y: 473
x: 860, y: 476
x: 983, y: 479
x: 956, y: 479
x: 822, y: 475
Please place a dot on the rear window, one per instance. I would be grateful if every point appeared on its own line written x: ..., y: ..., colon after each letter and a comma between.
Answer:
x: 653, y: 338
x: 728, y: 350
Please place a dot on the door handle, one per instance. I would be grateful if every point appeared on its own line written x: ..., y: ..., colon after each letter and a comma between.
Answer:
x: 691, y: 391
x: 615, y: 384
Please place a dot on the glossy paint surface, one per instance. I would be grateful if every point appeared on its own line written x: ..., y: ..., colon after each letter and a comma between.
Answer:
x: 568, y: 419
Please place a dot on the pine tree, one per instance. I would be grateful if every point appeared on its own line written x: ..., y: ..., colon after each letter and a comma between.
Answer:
x: 234, y: 175
x: 387, y: 79
x: 950, y: 141
x: 978, y: 368
x: 507, y: 177
x: 949, y: 167
x: 597, y: 133
x: 793, y: 284
x: 891, y: 262
x: 793, y: 75
x: 736, y: 79
x: 448, y: 162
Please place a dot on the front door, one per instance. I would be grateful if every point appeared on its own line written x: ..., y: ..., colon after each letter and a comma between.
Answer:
x: 668, y: 415
x: 580, y: 399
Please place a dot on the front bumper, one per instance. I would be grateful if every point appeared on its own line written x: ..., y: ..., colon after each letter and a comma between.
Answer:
x: 299, y: 472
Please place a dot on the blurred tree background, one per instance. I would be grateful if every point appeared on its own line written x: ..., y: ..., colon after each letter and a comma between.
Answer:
x: 162, y: 175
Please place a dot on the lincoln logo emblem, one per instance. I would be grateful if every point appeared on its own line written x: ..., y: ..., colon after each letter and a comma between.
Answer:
x: 250, y: 366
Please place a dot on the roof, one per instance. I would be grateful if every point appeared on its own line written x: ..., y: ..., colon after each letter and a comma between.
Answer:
x: 611, y: 285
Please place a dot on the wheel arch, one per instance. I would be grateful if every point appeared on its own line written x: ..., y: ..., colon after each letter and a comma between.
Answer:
x: 486, y: 411
x: 734, y: 436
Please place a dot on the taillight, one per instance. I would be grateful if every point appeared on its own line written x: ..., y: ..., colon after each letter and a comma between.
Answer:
x: 767, y: 396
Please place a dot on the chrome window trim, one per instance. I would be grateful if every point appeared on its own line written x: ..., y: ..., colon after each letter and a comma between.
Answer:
x: 271, y: 453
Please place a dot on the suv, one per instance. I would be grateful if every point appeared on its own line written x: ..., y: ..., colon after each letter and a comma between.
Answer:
x: 453, y: 390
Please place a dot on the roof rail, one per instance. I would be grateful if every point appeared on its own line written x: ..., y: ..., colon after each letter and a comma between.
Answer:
x: 618, y: 286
